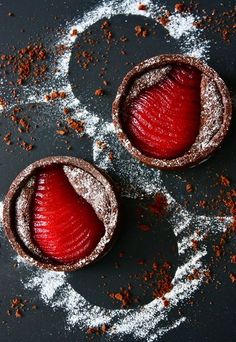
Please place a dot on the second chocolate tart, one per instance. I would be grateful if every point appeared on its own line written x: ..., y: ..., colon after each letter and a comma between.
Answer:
x: 61, y: 213
x: 172, y: 111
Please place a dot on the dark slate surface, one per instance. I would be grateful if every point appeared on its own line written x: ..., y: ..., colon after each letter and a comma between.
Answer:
x: 215, y: 322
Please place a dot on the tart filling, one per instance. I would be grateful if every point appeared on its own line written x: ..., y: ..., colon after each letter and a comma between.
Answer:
x: 60, y: 213
x: 172, y: 111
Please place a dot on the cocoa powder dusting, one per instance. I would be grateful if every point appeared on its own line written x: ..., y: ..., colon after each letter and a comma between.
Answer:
x: 55, y: 95
x: 99, y: 92
x: 142, y: 7
x: 125, y: 296
x: 233, y: 277
x: 140, y: 31
x: 101, y: 330
x: 76, y: 125
x: 179, y: 7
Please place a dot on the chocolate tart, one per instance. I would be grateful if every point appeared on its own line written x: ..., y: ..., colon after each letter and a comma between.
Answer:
x: 215, y: 109
x: 88, y: 182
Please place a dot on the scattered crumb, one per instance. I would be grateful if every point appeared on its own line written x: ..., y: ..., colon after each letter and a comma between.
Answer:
x: 179, y: 7
x: 142, y: 7
x: 140, y: 31
x: 233, y: 277
x: 76, y: 125
x: 99, y: 92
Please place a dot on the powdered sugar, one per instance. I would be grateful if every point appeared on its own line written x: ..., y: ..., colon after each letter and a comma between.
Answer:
x: 92, y: 191
x: 182, y: 28
x: 142, y: 322
x: 151, y: 321
x: 148, y: 79
x: 211, y: 120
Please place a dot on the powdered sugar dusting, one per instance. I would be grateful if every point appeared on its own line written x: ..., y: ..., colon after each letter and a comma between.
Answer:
x: 141, y: 322
x: 182, y: 28
x: 148, y: 79
x: 150, y: 321
x: 92, y: 191
x: 211, y: 119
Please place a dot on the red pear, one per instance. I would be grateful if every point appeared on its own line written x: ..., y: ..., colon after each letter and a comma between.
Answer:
x: 64, y: 226
x: 163, y: 120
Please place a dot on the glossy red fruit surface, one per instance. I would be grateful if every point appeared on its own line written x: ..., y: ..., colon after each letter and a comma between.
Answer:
x: 64, y: 226
x: 163, y: 120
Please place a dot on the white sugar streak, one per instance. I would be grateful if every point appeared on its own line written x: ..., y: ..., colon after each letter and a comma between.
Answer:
x: 182, y: 28
x: 152, y: 320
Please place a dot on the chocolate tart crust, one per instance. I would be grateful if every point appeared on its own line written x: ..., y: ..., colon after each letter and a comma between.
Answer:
x: 190, y: 158
x: 9, y: 218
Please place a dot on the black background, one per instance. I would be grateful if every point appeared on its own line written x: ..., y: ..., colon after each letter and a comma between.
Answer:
x: 207, y: 322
